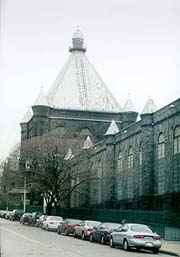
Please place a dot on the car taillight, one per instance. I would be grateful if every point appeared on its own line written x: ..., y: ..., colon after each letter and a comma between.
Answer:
x: 109, y: 232
x: 89, y: 229
x: 156, y: 237
x: 138, y: 236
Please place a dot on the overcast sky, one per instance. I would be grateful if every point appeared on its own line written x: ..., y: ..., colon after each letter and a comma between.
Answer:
x: 133, y: 44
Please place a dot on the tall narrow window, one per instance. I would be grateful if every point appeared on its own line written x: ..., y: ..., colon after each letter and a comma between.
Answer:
x: 140, y: 154
x: 161, y: 146
x: 120, y: 162
x: 177, y: 140
x: 130, y: 158
x: 99, y: 175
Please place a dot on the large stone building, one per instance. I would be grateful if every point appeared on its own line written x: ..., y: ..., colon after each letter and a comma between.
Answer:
x: 135, y: 164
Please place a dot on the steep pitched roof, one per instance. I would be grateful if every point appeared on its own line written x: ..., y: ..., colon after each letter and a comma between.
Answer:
x: 78, y: 85
x: 87, y: 143
x: 149, y: 107
x: 113, y: 129
x: 27, y: 116
x: 129, y: 106
x: 41, y: 99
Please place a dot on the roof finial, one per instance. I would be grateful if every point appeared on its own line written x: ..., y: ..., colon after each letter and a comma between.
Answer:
x: 77, y: 41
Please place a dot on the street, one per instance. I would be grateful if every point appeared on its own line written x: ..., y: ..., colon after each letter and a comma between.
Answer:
x: 23, y: 241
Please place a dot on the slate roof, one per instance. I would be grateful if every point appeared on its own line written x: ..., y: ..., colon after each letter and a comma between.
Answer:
x: 113, y: 129
x: 78, y: 86
x: 149, y: 107
x: 27, y: 116
x: 129, y: 106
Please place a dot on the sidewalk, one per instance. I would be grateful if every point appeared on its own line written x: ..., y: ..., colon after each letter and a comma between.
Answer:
x: 170, y: 247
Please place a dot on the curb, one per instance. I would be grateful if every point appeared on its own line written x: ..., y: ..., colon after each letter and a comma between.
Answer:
x: 169, y: 253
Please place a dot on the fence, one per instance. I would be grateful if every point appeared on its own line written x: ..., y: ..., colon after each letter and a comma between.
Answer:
x: 167, y: 224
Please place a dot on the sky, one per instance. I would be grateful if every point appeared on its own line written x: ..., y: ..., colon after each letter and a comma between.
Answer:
x: 133, y: 44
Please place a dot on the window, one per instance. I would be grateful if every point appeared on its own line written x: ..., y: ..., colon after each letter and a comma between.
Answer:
x: 120, y: 162
x: 130, y: 158
x: 140, y: 154
x: 161, y: 146
x: 177, y: 140
x: 85, y: 132
x: 99, y: 176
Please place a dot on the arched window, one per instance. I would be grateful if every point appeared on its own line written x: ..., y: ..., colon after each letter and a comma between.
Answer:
x: 60, y: 130
x: 161, y: 146
x: 177, y: 140
x: 140, y: 154
x: 130, y: 158
x: 120, y: 162
x: 85, y: 132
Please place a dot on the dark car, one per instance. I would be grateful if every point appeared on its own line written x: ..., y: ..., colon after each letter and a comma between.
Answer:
x: 67, y: 227
x: 35, y: 216
x: 16, y: 214
x: 26, y: 218
x: 102, y: 233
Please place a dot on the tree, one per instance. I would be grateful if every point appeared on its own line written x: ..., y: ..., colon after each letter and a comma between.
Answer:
x: 11, y: 178
x: 45, y: 159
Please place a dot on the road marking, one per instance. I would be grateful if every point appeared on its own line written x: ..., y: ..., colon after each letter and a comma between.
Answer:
x: 23, y: 237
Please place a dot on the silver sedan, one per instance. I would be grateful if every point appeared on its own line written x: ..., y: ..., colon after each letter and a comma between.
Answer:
x: 137, y: 236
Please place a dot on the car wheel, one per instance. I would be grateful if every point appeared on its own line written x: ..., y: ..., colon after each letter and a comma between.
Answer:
x: 66, y: 232
x: 83, y: 236
x: 138, y: 249
x: 58, y: 231
x: 102, y: 240
x: 125, y: 245
x: 111, y: 242
x: 155, y: 250
x: 91, y: 238
x: 75, y: 235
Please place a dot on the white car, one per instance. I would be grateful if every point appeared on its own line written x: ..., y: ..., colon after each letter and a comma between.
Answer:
x: 52, y: 222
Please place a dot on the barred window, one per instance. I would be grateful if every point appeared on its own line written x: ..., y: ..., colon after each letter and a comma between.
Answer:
x: 161, y: 146
x: 177, y: 140
x: 120, y: 162
x: 140, y: 154
x: 130, y: 158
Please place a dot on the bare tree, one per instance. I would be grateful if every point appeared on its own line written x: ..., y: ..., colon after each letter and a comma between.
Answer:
x: 11, y: 178
x: 45, y: 158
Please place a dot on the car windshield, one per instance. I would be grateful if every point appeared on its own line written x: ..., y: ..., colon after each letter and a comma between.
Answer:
x: 56, y: 218
x: 141, y: 228
x: 74, y: 222
x: 92, y: 223
x: 111, y: 225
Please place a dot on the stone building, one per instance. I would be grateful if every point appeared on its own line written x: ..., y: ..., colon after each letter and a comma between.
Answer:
x: 131, y: 164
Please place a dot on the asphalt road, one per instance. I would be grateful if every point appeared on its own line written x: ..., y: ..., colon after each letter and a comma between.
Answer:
x: 23, y: 241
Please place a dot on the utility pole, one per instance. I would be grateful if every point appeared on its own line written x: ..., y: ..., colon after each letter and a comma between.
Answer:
x: 24, y: 198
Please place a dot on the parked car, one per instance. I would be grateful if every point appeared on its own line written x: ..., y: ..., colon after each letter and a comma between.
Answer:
x: 3, y: 213
x: 8, y: 215
x: 137, y: 236
x: 67, y: 227
x: 34, y: 217
x: 52, y: 222
x: 84, y: 228
x: 40, y: 220
x: 16, y: 214
x: 26, y: 218
x: 102, y: 233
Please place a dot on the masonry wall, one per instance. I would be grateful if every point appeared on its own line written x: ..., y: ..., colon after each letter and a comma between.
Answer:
x: 142, y: 180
